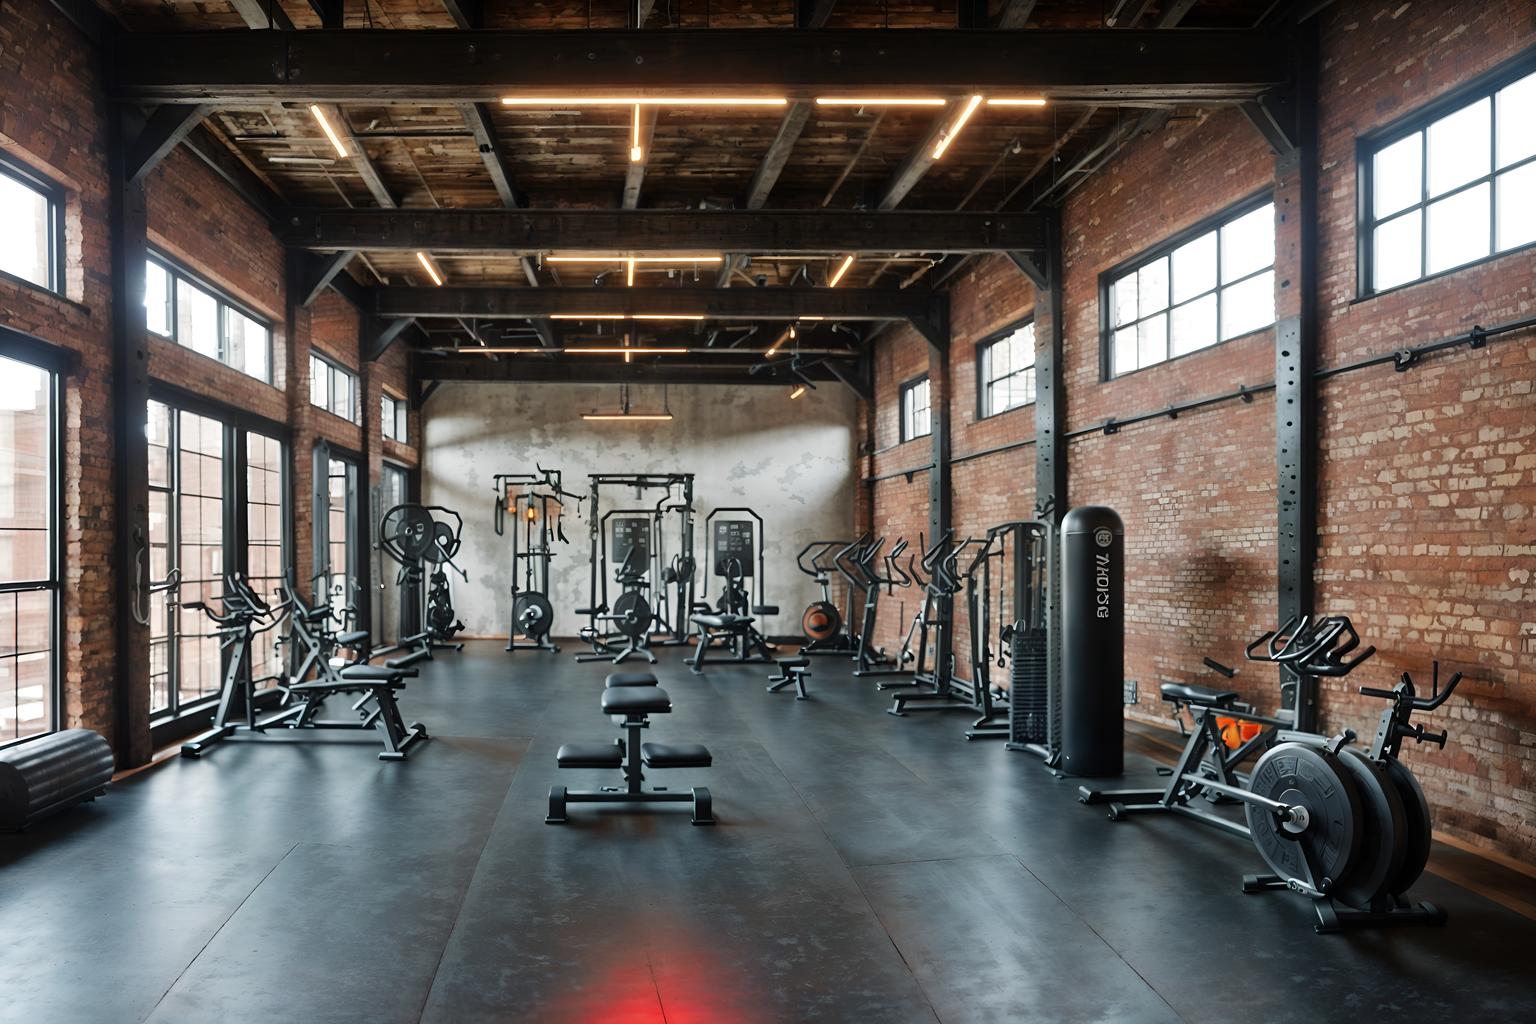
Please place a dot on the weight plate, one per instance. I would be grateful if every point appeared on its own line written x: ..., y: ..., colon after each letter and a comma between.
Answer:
x: 1416, y: 828
x: 1300, y: 775
x: 821, y: 621
x: 444, y: 543
x: 1383, y: 840
x: 408, y: 531
x: 533, y: 615
x: 632, y: 614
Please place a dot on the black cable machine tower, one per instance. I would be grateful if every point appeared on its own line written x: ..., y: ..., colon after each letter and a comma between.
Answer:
x: 668, y: 574
x: 534, y: 502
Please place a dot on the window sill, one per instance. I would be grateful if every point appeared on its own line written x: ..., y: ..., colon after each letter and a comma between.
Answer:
x: 48, y: 295
x: 152, y: 336
x: 1528, y: 249
x: 1266, y: 329
x: 1005, y: 412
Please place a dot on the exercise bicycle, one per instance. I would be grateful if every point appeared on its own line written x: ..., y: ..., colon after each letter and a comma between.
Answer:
x: 822, y: 621
x: 630, y: 616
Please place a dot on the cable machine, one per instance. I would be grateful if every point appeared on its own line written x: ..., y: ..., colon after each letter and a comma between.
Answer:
x: 534, y: 502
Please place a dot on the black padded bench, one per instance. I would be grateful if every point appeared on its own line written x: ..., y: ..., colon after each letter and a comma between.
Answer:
x: 737, y: 632
x: 1199, y: 696
x: 791, y: 670
x: 631, y: 700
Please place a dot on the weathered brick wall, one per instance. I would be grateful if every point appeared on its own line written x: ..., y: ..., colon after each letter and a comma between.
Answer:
x: 53, y: 118
x: 1428, y: 478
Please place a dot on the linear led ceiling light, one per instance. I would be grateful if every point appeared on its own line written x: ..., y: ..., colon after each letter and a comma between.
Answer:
x: 629, y: 273
x: 636, y: 151
x: 880, y: 101
x: 677, y: 258
x: 623, y: 350
x: 842, y: 269
x: 953, y: 132
x: 325, y: 126
x: 626, y: 316
x: 643, y: 101
x: 797, y: 392
x: 426, y: 264
x: 1016, y: 101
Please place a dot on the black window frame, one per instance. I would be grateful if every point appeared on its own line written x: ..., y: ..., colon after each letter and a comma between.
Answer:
x: 1214, y: 222
x: 907, y: 388
x: 399, y: 431
x: 236, y: 425
x: 1415, y: 121
x: 58, y: 364
x: 983, y: 349
x: 354, y: 383
x: 223, y: 300
x: 56, y: 196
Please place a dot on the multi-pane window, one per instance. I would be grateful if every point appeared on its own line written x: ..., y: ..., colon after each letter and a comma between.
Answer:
x: 393, y: 491
x: 186, y: 533
x: 1008, y: 371
x: 1208, y: 286
x: 335, y: 533
x: 29, y: 573
x: 193, y: 468
x: 916, y: 418
x: 32, y: 241
x: 264, y: 550
x: 332, y: 388
x: 1456, y: 187
x: 196, y: 317
x: 392, y: 417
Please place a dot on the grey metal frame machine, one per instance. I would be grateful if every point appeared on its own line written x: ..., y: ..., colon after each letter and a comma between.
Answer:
x: 731, y: 619
x: 536, y: 503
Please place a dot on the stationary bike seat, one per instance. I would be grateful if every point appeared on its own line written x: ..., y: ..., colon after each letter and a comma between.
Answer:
x: 1201, y: 695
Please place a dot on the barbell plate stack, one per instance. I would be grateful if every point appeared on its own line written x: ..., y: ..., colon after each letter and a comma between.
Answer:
x: 1416, y: 828
x: 1300, y: 775
x: 1383, y: 840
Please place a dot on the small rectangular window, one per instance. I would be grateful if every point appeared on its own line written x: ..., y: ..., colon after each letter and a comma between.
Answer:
x: 392, y: 418
x: 332, y: 388
x: 1008, y: 371
x: 1209, y: 285
x: 1453, y: 187
x: 916, y: 416
x: 195, y: 316
x: 31, y: 244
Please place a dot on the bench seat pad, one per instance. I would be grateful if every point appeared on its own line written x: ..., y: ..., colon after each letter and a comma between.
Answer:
x: 629, y: 679
x: 591, y: 755
x: 1193, y: 694
x: 794, y: 663
x: 675, y: 755
x: 636, y: 700
x: 723, y: 621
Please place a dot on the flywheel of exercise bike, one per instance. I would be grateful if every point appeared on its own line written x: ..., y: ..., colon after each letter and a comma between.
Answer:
x: 410, y: 529
x: 445, y: 543
x: 533, y: 614
x: 1383, y: 842
x: 1328, y: 849
x: 632, y: 613
x: 821, y: 621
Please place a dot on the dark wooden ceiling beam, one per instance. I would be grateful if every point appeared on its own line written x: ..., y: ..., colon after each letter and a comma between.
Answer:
x: 163, y: 132
x: 606, y: 370
x: 811, y: 232
x: 332, y: 12
x: 320, y: 272
x: 409, y: 65
x: 813, y: 13
x: 917, y: 163
x: 774, y: 304
x: 202, y: 143
x: 478, y: 117
x: 466, y: 14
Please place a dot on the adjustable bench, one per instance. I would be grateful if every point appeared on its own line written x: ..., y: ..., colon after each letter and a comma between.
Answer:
x: 631, y: 704
x: 738, y: 632
x: 629, y: 679
x: 792, y: 670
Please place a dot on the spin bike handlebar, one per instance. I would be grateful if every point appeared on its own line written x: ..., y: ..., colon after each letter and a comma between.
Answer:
x: 819, y: 546
x: 1318, y: 649
x: 896, y: 576
x: 932, y: 556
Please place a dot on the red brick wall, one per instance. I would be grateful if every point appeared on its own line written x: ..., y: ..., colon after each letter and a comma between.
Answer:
x: 1428, y: 477
x: 53, y: 118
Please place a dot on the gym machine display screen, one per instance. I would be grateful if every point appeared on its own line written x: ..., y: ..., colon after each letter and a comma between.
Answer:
x: 632, y: 533
x: 733, y: 540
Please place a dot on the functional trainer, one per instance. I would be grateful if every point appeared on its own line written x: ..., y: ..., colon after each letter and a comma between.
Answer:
x: 534, y: 501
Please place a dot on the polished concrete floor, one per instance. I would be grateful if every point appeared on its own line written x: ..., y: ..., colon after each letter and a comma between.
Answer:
x: 865, y: 869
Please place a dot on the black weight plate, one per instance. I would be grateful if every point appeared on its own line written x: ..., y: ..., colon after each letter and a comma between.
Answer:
x: 1295, y: 774
x: 1383, y: 841
x: 1416, y: 829
x: 444, y: 543
x: 409, y: 530
x: 821, y: 621
x: 533, y: 614
x: 632, y: 614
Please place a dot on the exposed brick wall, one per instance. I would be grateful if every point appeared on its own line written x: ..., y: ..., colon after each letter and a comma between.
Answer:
x: 1427, y: 479
x: 53, y: 118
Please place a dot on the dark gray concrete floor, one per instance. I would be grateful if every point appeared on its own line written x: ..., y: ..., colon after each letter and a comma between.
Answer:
x: 865, y: 868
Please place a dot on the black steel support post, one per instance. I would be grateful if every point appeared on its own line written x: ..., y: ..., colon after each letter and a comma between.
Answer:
x: 130, y: 402
x: 1050, y: 392
x: 1296, y: 339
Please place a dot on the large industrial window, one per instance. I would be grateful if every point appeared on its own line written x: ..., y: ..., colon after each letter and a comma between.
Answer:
x: 265, y: 552
x: 1454, y: 185
x: 392, y: 416
x: 336, y: 551
x: 186, y: 534
x: 1007, y: 371
x: 1212, y: 283
x: 32, y: 241
x: 29, y: 567
x: 178, y: 307
x: 916, y: 417
x: 332, y: 388
x: 394, y: 489
x: 202, y: 472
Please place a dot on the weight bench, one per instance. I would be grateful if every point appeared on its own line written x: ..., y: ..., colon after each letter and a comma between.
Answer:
x: 628, y: 679
x: 738, y: 632
x: 792, y: 670
x: 631, y: 704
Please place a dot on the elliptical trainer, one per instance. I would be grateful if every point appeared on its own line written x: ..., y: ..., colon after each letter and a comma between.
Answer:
x: 823, y: 621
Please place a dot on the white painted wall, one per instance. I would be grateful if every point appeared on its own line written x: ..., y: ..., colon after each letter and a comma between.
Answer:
x: 793, y: 461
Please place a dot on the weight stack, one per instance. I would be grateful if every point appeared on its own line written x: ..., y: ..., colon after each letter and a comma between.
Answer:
x: 1092, y: 642
x: 1030, y: 699
x: 41, y: 776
